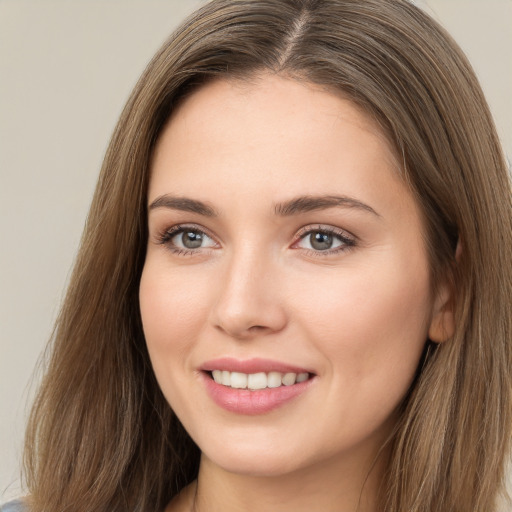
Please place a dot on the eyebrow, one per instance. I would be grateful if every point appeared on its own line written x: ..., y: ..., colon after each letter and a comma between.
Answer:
x: 184, y: 204
x: 306, y: 204
x: 298, y: 205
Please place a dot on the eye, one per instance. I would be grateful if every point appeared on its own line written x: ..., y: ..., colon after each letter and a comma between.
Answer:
x: 189, y: 239
x: 183, y: 238
x: 323, y: 239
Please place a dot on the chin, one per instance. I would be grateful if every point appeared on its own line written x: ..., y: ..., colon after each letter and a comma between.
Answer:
x: 260, y: 467
x: 252, y: 459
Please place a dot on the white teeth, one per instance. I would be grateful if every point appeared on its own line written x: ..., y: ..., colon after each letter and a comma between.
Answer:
x: 257, y: 381
x: 289, y: 379
x: 301, y: 377
x: 260, y: 380
x: 217, y: 376
x: 274, y: 379
x: 226, y: 378
x: 238, y: 380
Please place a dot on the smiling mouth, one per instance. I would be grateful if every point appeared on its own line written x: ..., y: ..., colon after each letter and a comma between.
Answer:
x: 257, y: 381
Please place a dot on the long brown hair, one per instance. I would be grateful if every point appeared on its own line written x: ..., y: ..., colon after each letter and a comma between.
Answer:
x: 101, y: 436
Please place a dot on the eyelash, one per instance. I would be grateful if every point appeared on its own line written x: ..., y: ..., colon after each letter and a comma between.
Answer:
x: 348, y: 241
x: 165, y: 237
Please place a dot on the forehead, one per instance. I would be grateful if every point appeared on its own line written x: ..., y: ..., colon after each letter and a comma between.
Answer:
x: 272, y: 137
x: 276, y: 98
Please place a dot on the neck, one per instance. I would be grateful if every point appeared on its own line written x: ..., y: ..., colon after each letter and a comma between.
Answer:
x: 333, y: 486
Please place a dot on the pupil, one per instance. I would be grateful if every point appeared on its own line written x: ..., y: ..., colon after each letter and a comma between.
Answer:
x: 321, y: 241
x: 192, y: 240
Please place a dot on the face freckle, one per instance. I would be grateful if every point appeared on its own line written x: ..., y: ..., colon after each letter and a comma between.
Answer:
x: 281, y: 236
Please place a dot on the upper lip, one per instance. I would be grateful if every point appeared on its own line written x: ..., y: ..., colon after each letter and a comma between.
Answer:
x: 254, y: 365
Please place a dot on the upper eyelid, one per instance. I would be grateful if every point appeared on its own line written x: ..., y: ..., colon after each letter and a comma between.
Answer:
x: 177, y: 228
x: 311, y: 228
x: 163, y: 236
x: 349, y: 241
x: 299, y: 234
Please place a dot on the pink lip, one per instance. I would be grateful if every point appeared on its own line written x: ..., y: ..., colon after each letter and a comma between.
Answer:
x: 251, y: 366
x: 245, y: 401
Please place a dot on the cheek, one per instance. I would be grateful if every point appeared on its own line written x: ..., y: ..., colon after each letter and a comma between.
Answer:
x: 394, y: 303
x: 173, y: 315
x: 371, y: 326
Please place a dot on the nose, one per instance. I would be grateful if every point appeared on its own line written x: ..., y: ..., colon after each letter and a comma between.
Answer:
x: 249, y: 302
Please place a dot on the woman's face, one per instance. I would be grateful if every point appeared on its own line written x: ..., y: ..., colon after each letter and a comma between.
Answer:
x: 282, y: 246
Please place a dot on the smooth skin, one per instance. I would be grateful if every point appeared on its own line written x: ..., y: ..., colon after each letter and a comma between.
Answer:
x: 342, y: 289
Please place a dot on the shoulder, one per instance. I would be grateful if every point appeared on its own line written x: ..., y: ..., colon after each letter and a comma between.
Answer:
x: 13, y: 506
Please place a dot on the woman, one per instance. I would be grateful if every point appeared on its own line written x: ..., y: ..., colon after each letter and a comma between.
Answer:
x: 287, y: 294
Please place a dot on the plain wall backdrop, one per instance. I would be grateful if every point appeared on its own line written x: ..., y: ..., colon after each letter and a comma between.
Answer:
x: 66, y: 70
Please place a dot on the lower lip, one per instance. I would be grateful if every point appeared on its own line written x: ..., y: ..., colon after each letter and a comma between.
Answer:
x: 260, y: 401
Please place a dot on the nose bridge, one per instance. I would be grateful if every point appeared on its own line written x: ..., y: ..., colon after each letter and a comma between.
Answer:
x: 248, y: 299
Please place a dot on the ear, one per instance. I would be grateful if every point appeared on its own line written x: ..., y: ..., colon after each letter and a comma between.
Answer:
x: 442, y: 324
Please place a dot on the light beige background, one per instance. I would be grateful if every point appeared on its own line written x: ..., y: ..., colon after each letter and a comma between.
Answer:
x: 66, y: 69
